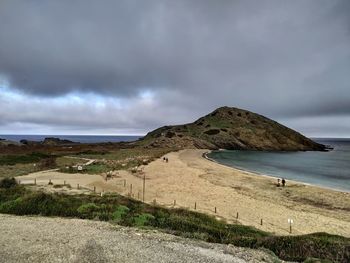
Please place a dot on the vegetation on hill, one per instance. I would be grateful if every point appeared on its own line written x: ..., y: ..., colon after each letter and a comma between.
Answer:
x: 231, y: 128
x: 15, y: 199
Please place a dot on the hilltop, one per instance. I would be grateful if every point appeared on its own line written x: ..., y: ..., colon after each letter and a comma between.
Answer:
x: 231, y: 128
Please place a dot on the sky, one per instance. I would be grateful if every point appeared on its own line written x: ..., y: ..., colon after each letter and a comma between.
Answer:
x: 127, y: 67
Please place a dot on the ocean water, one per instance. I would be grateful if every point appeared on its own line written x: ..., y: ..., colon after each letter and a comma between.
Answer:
x: 327, y: 169
x: 74, y: 138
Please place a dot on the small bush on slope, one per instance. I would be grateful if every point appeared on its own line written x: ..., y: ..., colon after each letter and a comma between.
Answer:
x: 8, y: 183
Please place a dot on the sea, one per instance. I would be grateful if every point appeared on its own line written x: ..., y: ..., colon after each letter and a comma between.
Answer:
x: 74, y: 138
x: 326, y: 169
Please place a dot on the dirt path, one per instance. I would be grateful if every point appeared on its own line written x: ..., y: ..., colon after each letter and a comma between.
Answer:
x: 38, y: 239
x: 195, y: 182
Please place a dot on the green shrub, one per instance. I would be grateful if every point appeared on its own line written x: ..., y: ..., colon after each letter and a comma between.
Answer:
x: 161, y: 218
x: 8, y: 183
x: 10, y: 206
x: 48, y: 205
x: 38, y: 203
x: 88, y: 210
x: 7, y: 194
x: 316, y: 245
x: 143, y: 219
x: 102, y: 216
x: 118, y: 214
x: 243, y: 241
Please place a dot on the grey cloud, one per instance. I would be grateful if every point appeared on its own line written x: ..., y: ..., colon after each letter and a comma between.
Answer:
x: 283, y: 59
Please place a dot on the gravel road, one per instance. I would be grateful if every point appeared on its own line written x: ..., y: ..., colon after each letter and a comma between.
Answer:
x: 41, y: 239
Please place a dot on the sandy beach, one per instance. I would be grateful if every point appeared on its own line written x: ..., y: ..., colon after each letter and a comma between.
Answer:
x: 197, y: 183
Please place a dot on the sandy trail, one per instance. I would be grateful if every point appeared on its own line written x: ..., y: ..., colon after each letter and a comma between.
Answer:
x: 193, y: 181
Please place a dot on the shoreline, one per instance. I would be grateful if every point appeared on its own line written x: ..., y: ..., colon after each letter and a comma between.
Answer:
x: 254, y: 173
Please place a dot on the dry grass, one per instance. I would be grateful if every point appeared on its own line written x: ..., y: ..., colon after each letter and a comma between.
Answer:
x: 17, y: 170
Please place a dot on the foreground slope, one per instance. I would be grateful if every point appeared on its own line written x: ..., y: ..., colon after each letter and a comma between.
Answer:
x: 39, y: 239
x: 231, y: 128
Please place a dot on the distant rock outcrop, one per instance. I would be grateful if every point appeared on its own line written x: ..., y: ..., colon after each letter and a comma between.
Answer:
x: 28, y: 142
x: 50, y: 141
x: 56, y: 141
x: 231, y: 128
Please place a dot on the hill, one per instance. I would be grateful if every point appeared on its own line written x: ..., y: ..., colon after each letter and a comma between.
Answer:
x: 231, y: 128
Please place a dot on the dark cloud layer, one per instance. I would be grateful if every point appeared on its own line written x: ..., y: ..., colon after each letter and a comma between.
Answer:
x: 284, y: 59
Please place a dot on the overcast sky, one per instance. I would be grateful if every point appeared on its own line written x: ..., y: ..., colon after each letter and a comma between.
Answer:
x: 126, y: 67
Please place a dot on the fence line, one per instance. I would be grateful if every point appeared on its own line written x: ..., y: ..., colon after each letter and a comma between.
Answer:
x: 212, y: 211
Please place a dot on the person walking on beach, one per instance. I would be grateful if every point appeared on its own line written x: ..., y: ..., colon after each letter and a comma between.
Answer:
x: 283, y: 182
x: 278, y: 182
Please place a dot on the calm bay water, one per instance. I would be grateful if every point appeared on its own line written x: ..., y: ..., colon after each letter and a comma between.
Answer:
x: 74, y: 138
x: 328, y: 169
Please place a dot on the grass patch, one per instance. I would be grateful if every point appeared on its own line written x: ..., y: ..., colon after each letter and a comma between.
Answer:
x: 128, y: 212
x: 17, y: 165
x: 66, y: 161
x: 17, y: 170
x: 23, y: 159
x: 96, y: 168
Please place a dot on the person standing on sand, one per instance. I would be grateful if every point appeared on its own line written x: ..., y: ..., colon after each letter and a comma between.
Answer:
x: 278, y: 182
x: 283, y: 182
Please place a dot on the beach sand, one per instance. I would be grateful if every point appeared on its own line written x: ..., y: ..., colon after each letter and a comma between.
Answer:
x: 193, y: 180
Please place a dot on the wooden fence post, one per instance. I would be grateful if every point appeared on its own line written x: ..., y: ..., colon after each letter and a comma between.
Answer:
x: 195, y: 205
x: 215, y: 209
x: 174, y: 202
x: 144, y: 188
x: 261, y: 221
x: 237, y: 216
